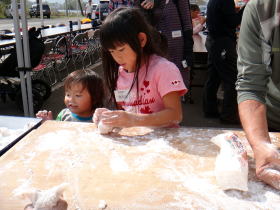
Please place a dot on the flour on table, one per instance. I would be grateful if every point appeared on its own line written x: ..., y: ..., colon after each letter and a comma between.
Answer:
x: 102, y: 204
x: 8, y: 135
x: 231, y: 167
x: 166, y: 169
x: 118, y: 163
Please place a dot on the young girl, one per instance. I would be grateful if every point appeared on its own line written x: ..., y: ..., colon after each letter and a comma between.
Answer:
x: 198, y: 21
x: 146, y: 86
x: 84, y: 93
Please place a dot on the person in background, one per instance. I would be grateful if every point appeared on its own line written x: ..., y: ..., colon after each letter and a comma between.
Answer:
x: 172, y: 18
x: 88, y: 9
x: 198, y: 21
x: 222, y: 20
x: 84, y: 92
x: 145, y: 86
x: 114, y: 4
x: 258, y: 86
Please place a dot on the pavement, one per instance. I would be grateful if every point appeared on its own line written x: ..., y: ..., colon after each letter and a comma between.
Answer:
x: 7, y: 23
x: 192, y: 113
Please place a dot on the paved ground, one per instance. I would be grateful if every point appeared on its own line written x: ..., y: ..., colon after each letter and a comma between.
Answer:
x: 193, y: 115
x: 7, y: 23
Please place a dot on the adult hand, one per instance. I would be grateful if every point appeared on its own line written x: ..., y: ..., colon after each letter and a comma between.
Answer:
x: 118, y: 118
x: 45, y: 115
x: 97, y: 116
x: 268, y: 164
x: 147, y: 4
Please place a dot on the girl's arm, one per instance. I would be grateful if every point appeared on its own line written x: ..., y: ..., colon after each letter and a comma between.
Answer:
x: 171, y: 114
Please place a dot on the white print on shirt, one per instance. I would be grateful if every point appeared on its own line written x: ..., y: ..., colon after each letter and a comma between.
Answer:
x: 175, y: 82
x: 176, y: 34
x: 121, y: 95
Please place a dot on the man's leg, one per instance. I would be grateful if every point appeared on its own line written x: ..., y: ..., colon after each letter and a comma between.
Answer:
x: 228, y: 73
x: 210, y: 104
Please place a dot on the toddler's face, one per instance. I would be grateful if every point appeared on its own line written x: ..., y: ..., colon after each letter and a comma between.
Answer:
x: 125, y: 56
x: 78, y: 100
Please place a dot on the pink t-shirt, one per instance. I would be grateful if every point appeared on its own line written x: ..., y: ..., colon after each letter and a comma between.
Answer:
x: 162, y: 77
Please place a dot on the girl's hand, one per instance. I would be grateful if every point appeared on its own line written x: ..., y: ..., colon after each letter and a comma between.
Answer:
x: 45, y: 115
x: 147, y: 4
x: 97, y: 116
x: 118, y: 118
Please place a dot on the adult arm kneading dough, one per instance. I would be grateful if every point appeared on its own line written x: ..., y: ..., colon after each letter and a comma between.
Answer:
x: 254, y: 71
x: 253, y: 118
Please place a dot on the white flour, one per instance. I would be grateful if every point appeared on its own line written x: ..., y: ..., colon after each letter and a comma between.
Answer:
x: 118, y: 163
x: 8, y: 135
x: 183, y: 159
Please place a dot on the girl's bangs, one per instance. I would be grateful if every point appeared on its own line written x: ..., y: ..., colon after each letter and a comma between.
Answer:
x: 114, y: 35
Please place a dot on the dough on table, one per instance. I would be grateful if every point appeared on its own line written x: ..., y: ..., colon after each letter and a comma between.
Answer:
x: 231, y: 166
x: 51, y: 199
x: 104, y: 129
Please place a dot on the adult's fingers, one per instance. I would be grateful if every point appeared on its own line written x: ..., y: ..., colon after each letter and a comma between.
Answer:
x: 270, y: 176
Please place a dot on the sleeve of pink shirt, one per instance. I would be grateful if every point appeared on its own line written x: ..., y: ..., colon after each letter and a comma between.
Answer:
x: 169, y: 79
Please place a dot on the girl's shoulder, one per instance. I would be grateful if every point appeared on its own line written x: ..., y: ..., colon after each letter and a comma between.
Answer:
x: 158, y: 63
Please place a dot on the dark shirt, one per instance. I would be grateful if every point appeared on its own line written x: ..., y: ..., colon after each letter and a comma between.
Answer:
x: 222, y: 19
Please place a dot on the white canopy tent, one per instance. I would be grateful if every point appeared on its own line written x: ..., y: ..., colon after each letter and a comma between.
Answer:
x: 23, y: 54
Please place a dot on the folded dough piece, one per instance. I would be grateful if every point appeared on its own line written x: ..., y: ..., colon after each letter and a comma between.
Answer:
x: 231, y: 167
x: 44, y: 199
x: 104, y: 129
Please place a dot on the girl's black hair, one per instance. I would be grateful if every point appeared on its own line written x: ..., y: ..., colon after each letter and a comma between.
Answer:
x: 89, y: 80
x: 122, y: 26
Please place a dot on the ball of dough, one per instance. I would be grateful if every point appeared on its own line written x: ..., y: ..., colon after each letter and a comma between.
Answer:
x: 104, y: 129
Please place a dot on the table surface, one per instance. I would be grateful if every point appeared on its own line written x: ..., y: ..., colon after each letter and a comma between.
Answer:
x: 23, y: 125
x: 136, y: 168
x: 50, y: 32
x: 7, y: 42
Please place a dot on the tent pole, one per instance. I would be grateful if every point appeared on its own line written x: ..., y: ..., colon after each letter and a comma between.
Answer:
x: 26, y: 53
x: 41, y: 14
x: 20, y: 56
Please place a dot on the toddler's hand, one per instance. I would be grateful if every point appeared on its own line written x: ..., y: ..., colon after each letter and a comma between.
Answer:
x: 97, y: 116
x: 45, y: 115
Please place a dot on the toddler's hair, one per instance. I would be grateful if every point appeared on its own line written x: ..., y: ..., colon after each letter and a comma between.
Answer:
x: 89, y: 80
